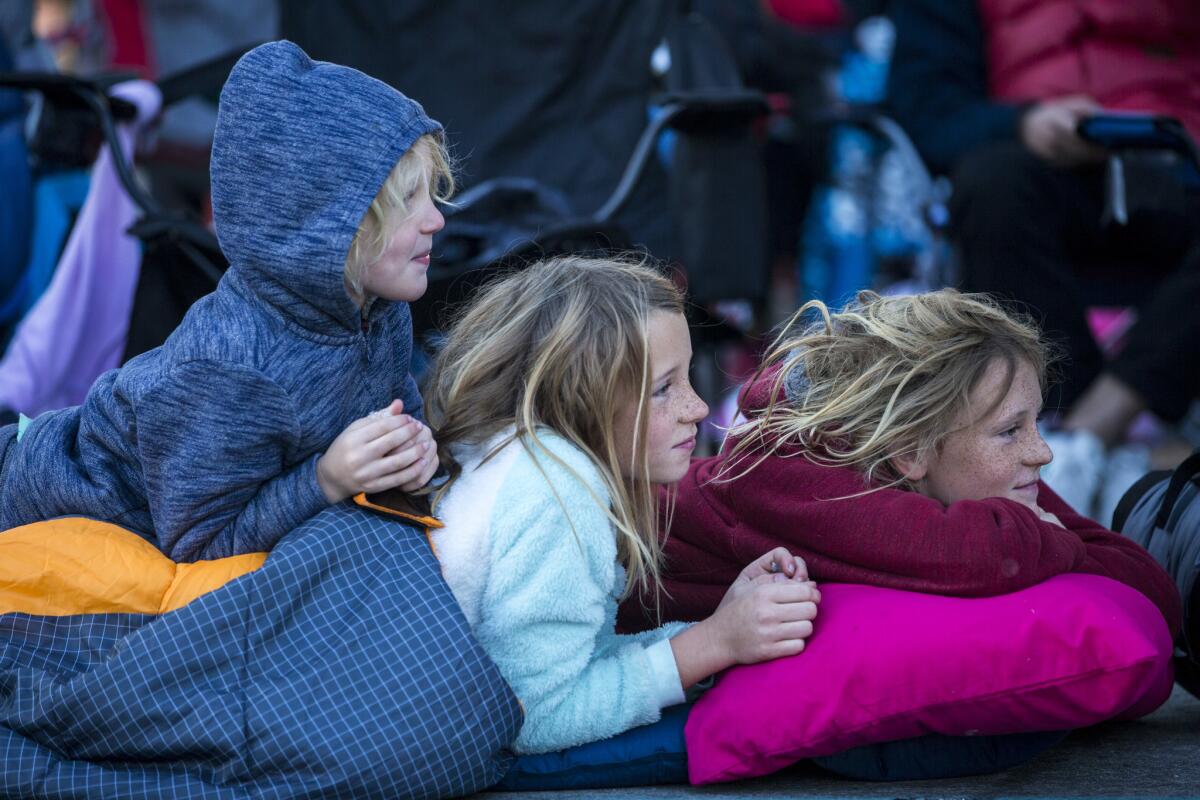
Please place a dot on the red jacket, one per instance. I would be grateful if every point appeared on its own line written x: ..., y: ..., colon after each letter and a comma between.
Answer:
x: 1134, y: 55
x: 891, y: 537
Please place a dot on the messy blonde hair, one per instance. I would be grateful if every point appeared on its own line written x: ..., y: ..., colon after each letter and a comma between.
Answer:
x: 884, y: 378
x: 561, y: 345
x: 426, y: 164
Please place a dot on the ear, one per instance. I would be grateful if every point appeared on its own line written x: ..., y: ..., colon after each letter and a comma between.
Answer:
x: 910, y: 466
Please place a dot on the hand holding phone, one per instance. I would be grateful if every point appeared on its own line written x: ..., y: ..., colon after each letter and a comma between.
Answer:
x: 1048, y: 129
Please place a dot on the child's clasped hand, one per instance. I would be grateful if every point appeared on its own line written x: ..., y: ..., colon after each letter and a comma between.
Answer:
x: 383, y: 450
x: 768, y: 611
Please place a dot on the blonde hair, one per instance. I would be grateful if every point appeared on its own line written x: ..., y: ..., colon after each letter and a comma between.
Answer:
x: 886, y: 377
x: 561, y: 344
x: 426, y: 164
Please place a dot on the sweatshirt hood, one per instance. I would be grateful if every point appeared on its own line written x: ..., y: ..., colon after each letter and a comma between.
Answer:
x: 300, y: 150
x: 756, y: 395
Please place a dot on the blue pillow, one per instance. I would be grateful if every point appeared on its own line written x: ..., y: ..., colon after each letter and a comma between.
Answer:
x: 649, y: 755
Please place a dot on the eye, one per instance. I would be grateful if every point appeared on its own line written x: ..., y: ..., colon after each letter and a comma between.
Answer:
x: 661, y: 391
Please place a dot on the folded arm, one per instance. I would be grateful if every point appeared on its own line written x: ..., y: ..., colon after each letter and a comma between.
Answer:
x: 215, y: 457
x: 1114, y: 556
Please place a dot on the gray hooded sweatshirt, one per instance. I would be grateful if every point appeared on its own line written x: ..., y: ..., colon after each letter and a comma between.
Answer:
x: 207, y: 446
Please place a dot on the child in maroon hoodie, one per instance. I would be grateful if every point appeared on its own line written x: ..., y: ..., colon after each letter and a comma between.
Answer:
x: 893, y: 444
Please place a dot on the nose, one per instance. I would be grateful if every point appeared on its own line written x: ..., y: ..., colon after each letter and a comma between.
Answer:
x: 1040, y: 453
x: 433, y: 221
x: 694, y: 409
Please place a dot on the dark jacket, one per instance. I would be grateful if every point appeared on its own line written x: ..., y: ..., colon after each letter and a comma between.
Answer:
x: 938, y: 82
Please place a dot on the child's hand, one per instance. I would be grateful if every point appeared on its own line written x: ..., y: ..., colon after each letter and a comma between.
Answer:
x: 381, y: 451
x: 766, y: 617
x: 424, y: 450
x: 1044, y: 515
x: 768, y: 612
x: 776, y: 562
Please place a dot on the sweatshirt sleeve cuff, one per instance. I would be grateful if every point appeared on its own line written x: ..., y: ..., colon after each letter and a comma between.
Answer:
x: 664, y: 674
x: 309, y: 499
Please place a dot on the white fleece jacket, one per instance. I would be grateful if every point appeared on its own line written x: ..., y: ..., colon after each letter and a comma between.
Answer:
x: 532, y: 559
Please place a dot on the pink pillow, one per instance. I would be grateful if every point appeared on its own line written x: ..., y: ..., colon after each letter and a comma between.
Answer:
x: 884, y: 665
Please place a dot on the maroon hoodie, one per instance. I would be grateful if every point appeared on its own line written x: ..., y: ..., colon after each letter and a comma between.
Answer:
x: 891, y: 537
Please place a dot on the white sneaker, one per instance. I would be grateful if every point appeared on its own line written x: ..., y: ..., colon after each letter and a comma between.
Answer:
x: 1078, y: 466
x: 1126, y: 464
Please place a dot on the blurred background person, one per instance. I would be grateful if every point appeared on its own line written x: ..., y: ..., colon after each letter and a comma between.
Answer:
x: 992, y: 92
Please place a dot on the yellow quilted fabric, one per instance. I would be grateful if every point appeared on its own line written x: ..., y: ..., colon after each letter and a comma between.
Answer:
x: 75, y: 565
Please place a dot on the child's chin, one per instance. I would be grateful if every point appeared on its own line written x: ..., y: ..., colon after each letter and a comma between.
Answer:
x: 1027, y: 496
x: 669, y: 476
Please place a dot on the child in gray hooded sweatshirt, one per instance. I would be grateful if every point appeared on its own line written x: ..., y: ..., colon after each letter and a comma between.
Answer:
x: 288, y: 388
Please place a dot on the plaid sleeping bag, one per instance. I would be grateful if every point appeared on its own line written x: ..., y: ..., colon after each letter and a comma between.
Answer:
x: 340, y: 667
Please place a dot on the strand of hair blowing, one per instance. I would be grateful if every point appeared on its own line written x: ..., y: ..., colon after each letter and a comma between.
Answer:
x: 560, y: 345
x: 885, y: 377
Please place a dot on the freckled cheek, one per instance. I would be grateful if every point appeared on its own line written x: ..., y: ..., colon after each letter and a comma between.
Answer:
x: 994, y: 474
x: 663, y: 433
x: 974, y: 473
